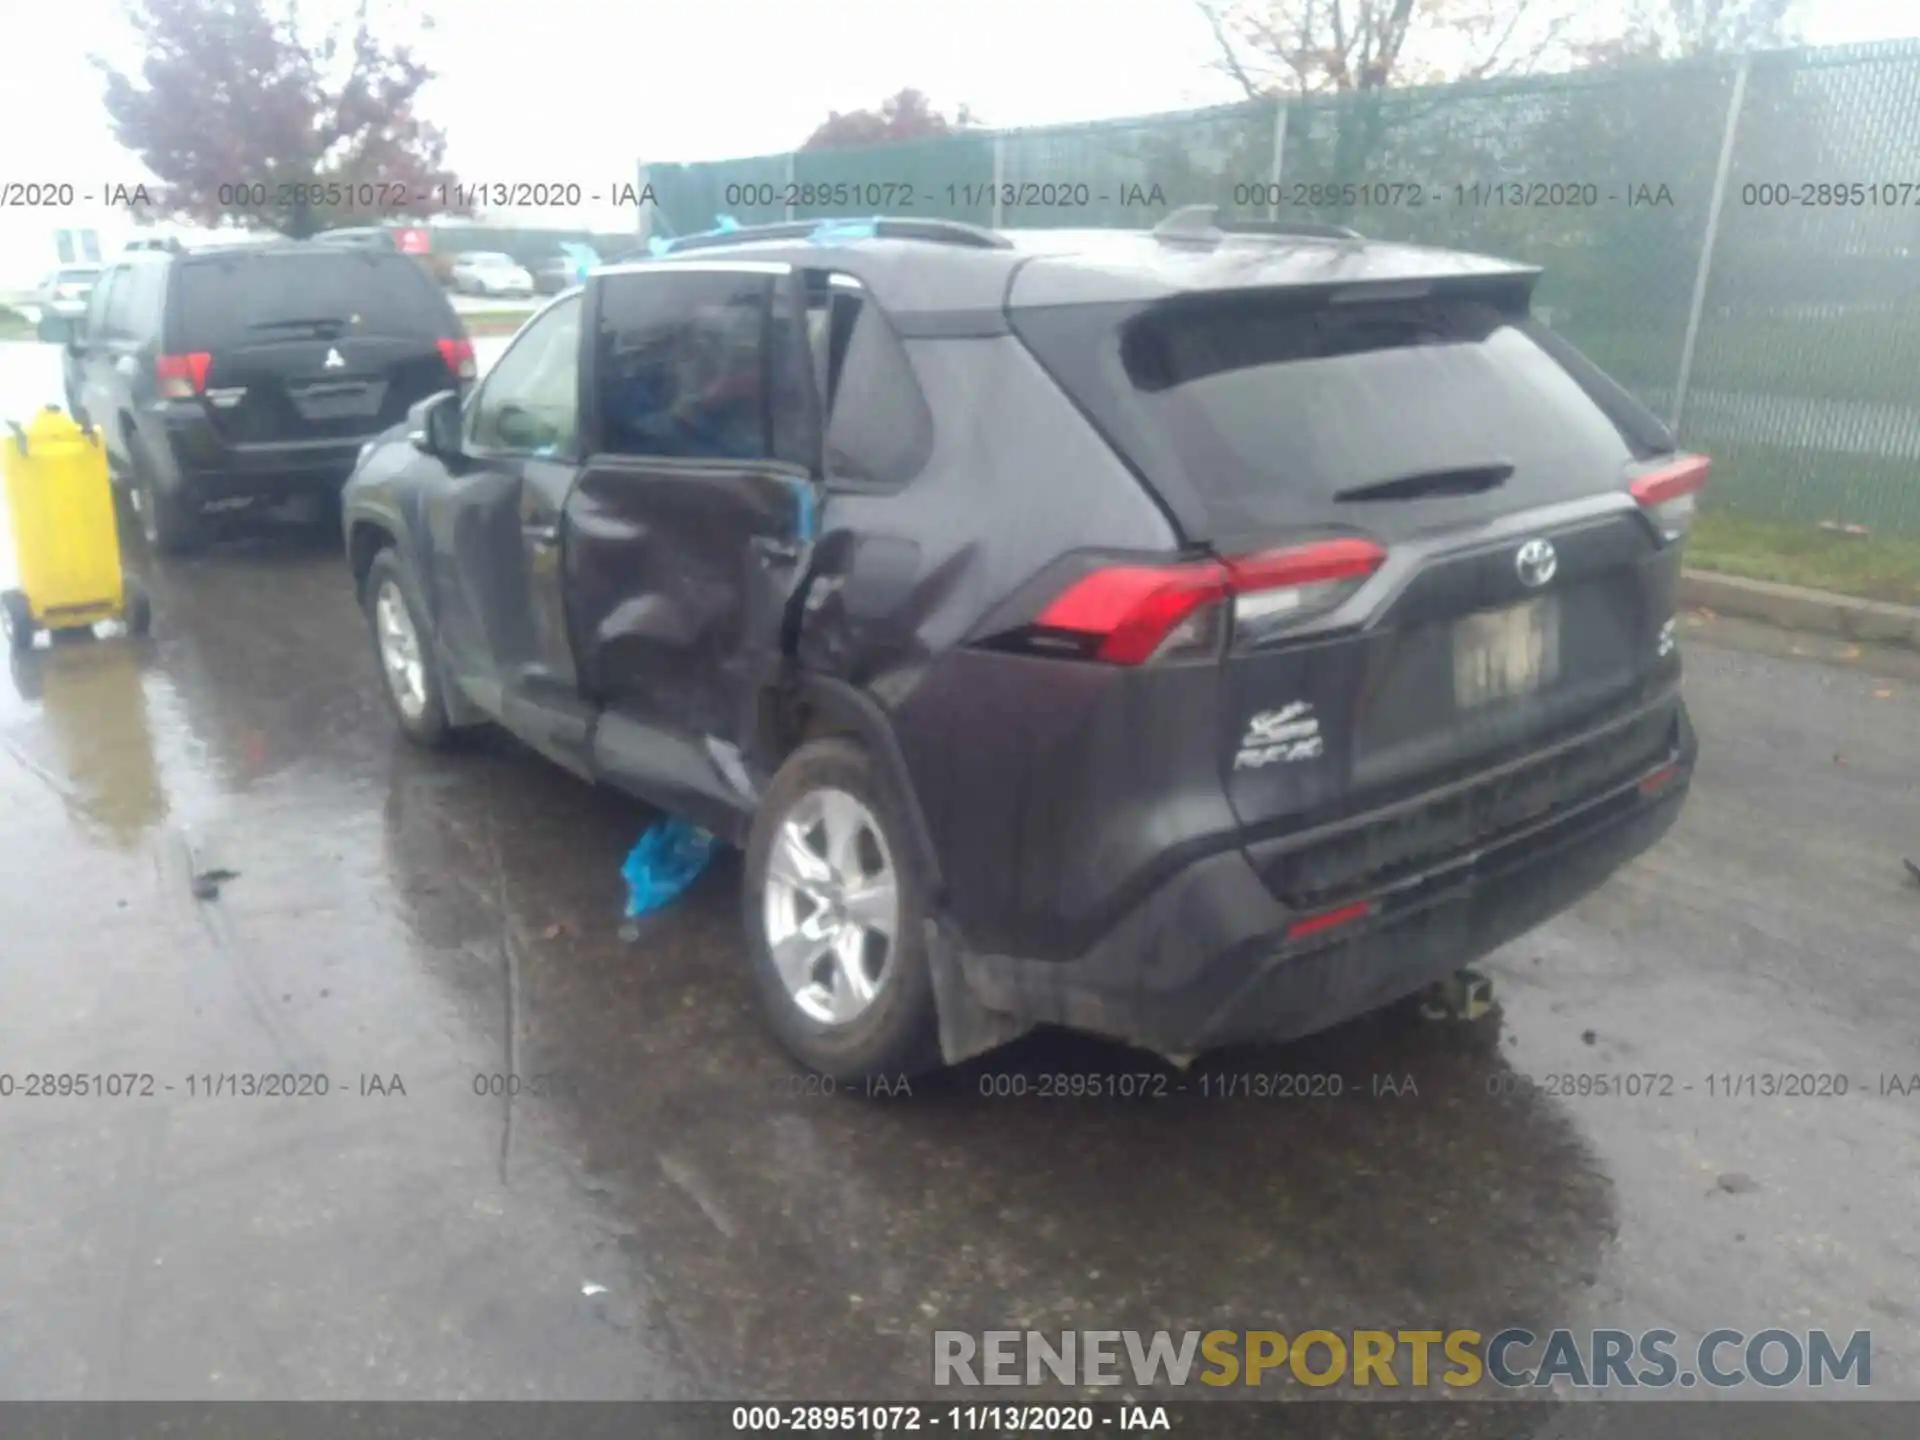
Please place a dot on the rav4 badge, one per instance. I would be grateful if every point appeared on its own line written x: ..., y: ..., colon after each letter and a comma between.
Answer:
x: 1283, y: 736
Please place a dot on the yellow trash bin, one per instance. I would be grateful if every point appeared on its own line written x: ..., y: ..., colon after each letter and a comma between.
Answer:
x: 66, y: 541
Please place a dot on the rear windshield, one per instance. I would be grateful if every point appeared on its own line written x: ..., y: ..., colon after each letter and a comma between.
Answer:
x: 1265, y: 410
x: 243, y: 298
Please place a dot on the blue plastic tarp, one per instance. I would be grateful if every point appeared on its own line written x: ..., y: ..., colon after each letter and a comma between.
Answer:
x: 667, y: 858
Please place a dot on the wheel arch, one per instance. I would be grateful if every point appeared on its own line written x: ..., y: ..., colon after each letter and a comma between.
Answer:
x: 367, y: 536
x: 818, y: 707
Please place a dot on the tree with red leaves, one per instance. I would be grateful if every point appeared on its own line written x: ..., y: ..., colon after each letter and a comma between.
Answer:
x: 246, y: 121
x: 907, y: 116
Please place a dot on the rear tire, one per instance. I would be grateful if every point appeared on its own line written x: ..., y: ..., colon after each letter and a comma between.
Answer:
x: 408, y: 673
x: 19, y: 621
x: 895, y: 1031
x: 171, y: 523
x: 138, y: 612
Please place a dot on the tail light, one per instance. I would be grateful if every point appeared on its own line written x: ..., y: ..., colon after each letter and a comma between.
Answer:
x: 181, y: 377
x: 1133, y: 614
x: 1658, y: 780
x: 1669, y: 494
x: 459, y: 357
x: 1329, y: 920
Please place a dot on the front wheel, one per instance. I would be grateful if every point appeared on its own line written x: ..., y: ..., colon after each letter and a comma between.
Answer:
x: 399, y: 640
x: 835, y: 906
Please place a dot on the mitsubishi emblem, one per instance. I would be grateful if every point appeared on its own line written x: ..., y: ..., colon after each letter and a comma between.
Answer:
x: 1536, y: 562
x: 334, y: 361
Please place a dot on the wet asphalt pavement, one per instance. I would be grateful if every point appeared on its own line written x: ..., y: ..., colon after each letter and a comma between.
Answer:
x: 672, y: 1214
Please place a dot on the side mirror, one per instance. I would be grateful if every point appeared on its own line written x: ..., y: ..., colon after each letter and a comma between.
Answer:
x: 57, y: 330
x: 520, y: 429
x: 433, y: 425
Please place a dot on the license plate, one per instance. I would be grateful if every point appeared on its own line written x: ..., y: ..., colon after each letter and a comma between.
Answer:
x: 1505, y: 653
x: 352, y: 400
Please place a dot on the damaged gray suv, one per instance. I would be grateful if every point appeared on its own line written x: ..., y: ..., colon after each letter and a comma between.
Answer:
x: 1191, y: 636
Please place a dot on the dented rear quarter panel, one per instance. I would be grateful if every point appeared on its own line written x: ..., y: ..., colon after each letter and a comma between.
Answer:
x: 1005, y: 754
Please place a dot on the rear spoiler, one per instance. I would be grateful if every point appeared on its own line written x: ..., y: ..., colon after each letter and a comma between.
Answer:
x: 1509, y: 289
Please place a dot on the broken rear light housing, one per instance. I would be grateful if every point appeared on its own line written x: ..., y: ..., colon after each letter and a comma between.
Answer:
x: 1670, y: 494
x: 1145, y: 614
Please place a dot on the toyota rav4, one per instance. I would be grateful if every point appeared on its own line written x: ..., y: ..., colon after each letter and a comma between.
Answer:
x: 1191, y: 637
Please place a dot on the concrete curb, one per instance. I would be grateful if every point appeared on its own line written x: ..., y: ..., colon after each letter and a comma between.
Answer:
x: 1794, y: 608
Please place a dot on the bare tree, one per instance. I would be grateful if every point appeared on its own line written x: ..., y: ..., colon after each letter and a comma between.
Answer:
x: 1319, y: 47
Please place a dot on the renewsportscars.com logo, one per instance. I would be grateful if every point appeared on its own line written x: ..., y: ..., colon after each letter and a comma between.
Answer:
x: 1513, y: 1358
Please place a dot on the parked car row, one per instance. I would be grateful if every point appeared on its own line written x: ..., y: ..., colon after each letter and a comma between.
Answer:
x: 493, y: 273
x: 65, y: 291
x: 1055, y: 621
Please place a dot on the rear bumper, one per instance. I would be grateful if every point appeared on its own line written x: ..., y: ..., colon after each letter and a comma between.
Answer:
x: 212, y: 469
x: 1205, y: 959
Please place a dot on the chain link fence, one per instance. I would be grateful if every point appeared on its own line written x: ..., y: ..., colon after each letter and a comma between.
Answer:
x: 1736, y: 239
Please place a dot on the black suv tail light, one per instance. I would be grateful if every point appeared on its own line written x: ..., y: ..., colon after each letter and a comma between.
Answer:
x: 1135, y: 614
x: 181, y: 377
x: 459, y: 357
x: 1669, y: 494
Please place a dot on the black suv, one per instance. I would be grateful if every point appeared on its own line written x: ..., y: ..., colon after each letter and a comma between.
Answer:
x: 1190, y: 637
x: 251, y: 372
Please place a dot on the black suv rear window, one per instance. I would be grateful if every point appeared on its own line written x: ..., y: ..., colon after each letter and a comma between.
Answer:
x: 235, y: 299
x: 1274, y: 410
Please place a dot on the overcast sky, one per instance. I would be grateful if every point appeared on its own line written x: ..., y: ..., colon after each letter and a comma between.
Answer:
x: 578, y: 90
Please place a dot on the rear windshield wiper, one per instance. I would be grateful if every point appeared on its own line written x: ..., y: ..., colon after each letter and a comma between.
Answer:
x: 1468, y: 480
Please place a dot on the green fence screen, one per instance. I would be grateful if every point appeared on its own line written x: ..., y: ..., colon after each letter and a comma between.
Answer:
x: 1736, y: 239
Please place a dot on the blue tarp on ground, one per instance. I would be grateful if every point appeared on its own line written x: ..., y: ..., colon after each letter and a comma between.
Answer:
x: 667, y: 858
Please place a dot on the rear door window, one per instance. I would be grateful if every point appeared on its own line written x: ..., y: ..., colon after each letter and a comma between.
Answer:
x: 224, y: 301
x: 99, y: 300
x: 1276, y: 411
x: 117, y: 321
x: 680, y: 365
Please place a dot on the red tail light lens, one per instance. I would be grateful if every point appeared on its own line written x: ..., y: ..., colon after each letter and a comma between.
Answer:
x: 181, y: 377
x: 459, y: 357
x: 1329, y: 919
x: 1137, y: 613
x: 1669, y: 494
x: 1658, y: 780
x: 1133, y: 610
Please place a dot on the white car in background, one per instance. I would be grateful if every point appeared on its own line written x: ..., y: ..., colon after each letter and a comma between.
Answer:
x: 489, y: 272
x: 64, y: 293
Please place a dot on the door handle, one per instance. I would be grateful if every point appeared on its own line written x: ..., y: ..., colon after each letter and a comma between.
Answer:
x: 770, y: 549
x: 545, y: 536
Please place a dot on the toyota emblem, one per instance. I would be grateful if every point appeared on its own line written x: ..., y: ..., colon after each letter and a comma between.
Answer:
x: 1536, y: 562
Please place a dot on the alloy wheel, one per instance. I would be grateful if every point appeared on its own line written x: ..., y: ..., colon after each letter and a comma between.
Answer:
x: 831, y: 905
x: 399, y: 646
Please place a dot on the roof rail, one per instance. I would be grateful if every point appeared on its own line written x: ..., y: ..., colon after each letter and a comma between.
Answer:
x: 1201, y: 225
x: 941, y: 232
